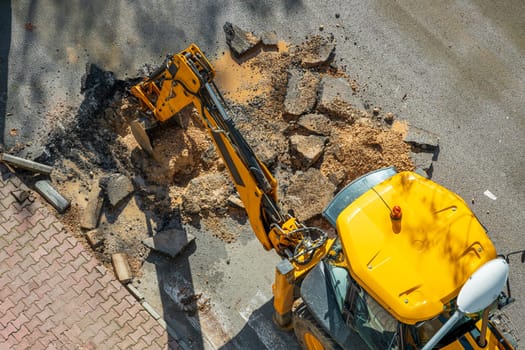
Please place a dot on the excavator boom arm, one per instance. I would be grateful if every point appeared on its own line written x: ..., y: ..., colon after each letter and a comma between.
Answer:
x: 256, y: 186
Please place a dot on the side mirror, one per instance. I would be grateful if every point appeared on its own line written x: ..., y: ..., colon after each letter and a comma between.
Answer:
x: 483, y: 287
x: 480, y: 290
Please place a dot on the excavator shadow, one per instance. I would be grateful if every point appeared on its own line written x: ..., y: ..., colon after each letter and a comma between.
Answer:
x: 260, y: 332
x: 166, y: 283
x: 199, y: 296
x: 168, y: 286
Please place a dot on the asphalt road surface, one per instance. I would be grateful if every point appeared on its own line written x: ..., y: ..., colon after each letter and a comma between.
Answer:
x: 455, y: 68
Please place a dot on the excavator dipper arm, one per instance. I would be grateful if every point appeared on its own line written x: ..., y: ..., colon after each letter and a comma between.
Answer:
x: 186, y: 78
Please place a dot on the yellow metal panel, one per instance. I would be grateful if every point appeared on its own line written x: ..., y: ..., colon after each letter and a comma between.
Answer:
x: 249, y: 192
x: 492, y: 341
x: 415, y: 265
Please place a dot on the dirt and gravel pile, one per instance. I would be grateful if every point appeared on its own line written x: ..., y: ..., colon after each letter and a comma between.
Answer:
x: 303, y: 116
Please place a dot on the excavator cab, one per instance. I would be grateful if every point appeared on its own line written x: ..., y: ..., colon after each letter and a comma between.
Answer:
x: 343, y: 311
x: 392, y: 281
x: 340, y: 313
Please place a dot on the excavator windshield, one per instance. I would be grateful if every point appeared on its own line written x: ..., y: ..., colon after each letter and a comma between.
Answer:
x: 381, y: 330
x: 374, y: 324
x: 416, y: 336
x: 378, y: 328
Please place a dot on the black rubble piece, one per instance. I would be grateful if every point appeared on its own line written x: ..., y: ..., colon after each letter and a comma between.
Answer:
x: 97, y: 86
x: 20, y: 195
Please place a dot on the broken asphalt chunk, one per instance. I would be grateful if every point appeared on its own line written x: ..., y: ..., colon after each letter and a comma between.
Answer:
x: 316, y: 123
x: 239, y: 41
x: 118, y: 187
x: 170, y: 242
x: 422, y: 140
x: 337, y: 98
x: 269, y: 38
x: 322, y: 54
x: 311, y: 191
x: 46, y: 190
x: 423, y: 161
x: 306, y: 149
x: 301, y: 93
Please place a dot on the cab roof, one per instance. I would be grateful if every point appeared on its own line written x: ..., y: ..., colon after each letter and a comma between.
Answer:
x: 415, y: 265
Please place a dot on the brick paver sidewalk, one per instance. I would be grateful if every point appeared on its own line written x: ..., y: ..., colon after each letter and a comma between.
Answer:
x: 54, y: 294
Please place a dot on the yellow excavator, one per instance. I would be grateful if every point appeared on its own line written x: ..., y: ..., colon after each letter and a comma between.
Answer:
x: 411, y: 267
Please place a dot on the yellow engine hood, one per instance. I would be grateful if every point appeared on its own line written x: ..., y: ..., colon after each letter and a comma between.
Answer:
x: 417, y: 264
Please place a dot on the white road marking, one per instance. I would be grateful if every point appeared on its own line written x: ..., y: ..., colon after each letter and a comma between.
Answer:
x: 490, y: 195
x: 263, y: 327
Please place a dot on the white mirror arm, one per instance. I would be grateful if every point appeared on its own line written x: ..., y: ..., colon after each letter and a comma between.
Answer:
x: 443, y: 330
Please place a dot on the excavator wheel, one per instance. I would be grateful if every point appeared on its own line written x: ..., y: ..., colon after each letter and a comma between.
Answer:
x: 308, y: 332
